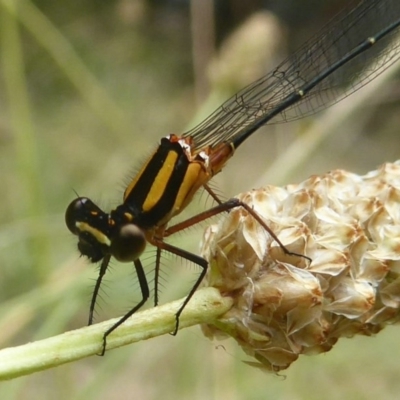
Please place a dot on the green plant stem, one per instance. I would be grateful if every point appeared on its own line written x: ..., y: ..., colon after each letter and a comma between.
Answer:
x: 206, y: 306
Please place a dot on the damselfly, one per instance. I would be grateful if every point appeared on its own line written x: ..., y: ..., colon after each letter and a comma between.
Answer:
x: 350, y: 51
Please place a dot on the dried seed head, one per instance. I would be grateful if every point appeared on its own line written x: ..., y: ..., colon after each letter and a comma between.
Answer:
x: 349, y: 226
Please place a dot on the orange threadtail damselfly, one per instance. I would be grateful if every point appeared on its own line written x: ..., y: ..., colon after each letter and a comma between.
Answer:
x: 351, y: 50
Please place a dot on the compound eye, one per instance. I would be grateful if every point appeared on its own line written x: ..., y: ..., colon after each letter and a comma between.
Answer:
x: 128, y: 244
x: 77, y: 211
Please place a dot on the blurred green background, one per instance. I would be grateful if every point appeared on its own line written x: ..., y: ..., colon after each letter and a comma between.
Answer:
x: 87, y: 89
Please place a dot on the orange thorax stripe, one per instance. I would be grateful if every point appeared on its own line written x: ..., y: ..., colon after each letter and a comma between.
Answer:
x: 166, y: 183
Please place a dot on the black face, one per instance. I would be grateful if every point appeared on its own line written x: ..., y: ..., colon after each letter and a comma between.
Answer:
x: 90, y: 248
x: 100, y: 233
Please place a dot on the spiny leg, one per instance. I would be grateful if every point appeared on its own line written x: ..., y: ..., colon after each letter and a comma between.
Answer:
x: 102, y: 271
x: 144, y: 288
x: 193, y: 258
x: 212, y: 194
x: 227, y: 206
x: 157, y: 276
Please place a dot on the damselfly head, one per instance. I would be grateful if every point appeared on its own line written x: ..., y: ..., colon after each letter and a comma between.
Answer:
x: 101, y: 233
x: 87, y: 221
